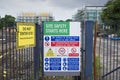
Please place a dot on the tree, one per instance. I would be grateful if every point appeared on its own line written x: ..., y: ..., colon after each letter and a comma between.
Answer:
x: 68, y: 20
x: 61, y: 20
x: 111, y: 15
x: 79, y: 16
x: 8, y: 21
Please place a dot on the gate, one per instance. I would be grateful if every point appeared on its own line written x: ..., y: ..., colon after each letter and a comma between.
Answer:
x: 100, y: 53
x: 27, y: 63
x: 108, y: 51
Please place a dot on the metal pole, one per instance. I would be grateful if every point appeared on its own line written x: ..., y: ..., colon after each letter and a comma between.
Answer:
x: 94, y: 51
x: 99, y: 52
x: 37, y: 54
x: 89, y: 50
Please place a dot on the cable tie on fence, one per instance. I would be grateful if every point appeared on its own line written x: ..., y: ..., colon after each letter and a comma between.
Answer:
x: 82, y: 50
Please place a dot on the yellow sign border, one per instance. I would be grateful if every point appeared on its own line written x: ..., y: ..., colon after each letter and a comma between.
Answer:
x: 17, y: 35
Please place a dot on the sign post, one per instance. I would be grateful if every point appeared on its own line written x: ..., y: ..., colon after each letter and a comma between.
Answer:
x: 62, y: 41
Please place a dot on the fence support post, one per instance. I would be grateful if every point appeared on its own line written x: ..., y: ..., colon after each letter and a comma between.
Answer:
x: 37, y: 54
x: 89, y: 50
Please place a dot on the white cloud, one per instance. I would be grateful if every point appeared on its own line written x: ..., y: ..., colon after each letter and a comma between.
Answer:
x: 76, y: 3
x: 61, y: 9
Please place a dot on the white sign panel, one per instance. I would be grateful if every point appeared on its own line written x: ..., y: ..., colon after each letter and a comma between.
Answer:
x: 62, y: 41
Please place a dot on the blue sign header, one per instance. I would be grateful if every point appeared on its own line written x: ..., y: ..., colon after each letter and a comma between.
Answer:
x: 65, y: 38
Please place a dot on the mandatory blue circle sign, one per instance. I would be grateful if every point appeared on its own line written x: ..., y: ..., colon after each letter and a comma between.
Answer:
x: 46, y: 64
x: 46, y: 68
x: 64, y: 64
x: 46, y: 59
x: 64, y: 68
x: 47, y: 38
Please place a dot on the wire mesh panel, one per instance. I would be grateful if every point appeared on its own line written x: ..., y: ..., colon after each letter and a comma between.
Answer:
x: 15, y: 64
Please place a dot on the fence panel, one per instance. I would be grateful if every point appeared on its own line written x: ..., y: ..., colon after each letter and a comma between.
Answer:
x: 108, y: 50
x: 24, y: 64
x: 14, y: 64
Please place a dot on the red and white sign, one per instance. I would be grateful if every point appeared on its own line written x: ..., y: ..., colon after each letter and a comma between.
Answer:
x: 73, y: 54
x: 67, y: 44
x: 62, y: 51
x: 73, y: 50
x: 47, y: 43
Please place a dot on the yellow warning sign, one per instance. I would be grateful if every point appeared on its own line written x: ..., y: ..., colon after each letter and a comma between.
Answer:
x: 50, y: 53
x: 25, y: 35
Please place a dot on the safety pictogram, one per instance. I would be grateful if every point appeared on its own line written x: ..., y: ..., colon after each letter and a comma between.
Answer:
x: 47, y: 38
x: 62, y: 51
x: 73, y: 50
x: 47, y: 43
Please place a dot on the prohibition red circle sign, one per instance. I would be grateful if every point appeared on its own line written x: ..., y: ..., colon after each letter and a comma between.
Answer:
x: 47, y: 43
x: 62, y: 51
x: 73, y: 50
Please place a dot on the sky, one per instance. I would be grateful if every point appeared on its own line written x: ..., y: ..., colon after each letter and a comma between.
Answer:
x: 60, y: 9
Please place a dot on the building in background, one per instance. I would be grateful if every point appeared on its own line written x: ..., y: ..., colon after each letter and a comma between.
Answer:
x: 89, y: 13
x: 33, y: 17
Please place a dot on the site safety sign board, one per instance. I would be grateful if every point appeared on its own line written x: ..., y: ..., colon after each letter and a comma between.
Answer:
x: 62, y: 41
x: 25, y: 35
